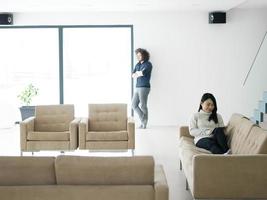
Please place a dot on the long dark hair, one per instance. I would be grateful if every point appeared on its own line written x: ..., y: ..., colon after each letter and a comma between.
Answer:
x: 213, y: 115
x: 145, y: 54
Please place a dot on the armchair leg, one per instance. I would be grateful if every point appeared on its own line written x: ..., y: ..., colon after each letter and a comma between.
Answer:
x: 186, y: 185
x: 181, y: 166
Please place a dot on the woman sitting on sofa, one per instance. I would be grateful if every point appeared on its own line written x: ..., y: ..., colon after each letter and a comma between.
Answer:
x: 207, y: 127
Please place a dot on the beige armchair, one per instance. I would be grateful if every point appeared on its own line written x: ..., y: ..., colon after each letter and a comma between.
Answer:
x: 107, y: 128
x: 52, y: 128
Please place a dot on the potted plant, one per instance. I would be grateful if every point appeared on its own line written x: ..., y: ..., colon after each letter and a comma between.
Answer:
x: 25, y: 97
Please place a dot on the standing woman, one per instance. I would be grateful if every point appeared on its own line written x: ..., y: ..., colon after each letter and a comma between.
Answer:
x: 142, y: 74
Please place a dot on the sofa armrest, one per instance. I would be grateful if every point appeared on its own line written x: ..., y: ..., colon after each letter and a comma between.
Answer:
x: 74, y: 126
x: 184, y: 132
x: 131, y: 133
x: 160, y: 184
x: 230, y: 176
x: 25, y: 126
x: 83, y: 129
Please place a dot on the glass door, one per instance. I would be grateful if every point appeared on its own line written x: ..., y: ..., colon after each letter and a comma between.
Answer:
x: 97, y: 66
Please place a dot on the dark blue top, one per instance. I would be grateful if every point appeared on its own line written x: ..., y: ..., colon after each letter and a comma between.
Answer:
x: 146, y: 68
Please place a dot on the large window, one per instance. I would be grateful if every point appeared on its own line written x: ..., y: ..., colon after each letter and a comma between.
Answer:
x: 69, y: 64
x: 27, y: 56
x: 97, y: 66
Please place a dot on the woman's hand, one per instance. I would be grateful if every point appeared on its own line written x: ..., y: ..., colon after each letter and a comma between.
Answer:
x: 208, y: 131
x: 137, y: 74
x: 134, y: 75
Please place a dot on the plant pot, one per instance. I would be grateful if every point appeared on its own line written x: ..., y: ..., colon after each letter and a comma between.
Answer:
x: 27, y: 111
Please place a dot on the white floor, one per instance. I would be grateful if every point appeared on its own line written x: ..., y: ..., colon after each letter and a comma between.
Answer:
x: 161, y: 142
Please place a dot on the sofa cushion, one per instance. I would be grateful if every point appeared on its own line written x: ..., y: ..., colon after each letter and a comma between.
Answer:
x: 53, y: 118
x: 232, y: 126
x: 15, y: 171
x: 76, y: 170
x: 107, y: 136
x: 48, y: 136
x: 255, y: 142
x: 242, y: 138
x: 107, y: 117
x: 188, y: 143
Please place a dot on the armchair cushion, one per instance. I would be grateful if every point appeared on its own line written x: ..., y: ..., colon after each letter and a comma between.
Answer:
x: 107, y: 136
x: 107, y: 117
x: 48, y: 136
x: 53, y: 118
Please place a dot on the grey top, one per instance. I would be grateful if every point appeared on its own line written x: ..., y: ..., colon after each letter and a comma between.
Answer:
x: 200, y: 126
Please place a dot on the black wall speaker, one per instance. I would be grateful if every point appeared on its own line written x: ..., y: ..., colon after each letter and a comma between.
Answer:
x: 217, y: 17
x: 6, y: 18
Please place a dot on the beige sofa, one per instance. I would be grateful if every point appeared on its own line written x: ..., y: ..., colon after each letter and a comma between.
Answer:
x: 81, y: 178
x: 241, y: 175
x: 52, y: 128
x: 107, y: 128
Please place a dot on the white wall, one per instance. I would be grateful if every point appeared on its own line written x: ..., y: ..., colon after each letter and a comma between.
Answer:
x: 189, y: 56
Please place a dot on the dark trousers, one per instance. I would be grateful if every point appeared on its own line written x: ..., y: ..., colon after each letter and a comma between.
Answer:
x: 217, y: 144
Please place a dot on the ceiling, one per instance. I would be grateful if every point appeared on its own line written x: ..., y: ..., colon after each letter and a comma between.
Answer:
x: 126, y: 5
x: 254, y: 4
